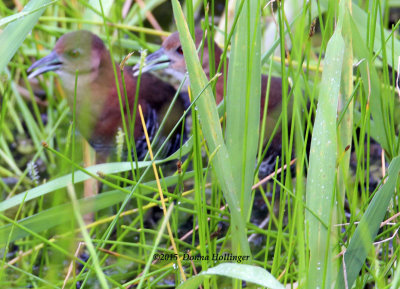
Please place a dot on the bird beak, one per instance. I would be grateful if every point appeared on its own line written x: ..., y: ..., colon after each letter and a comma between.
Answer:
x: 155, y: 61
x: 50, y: 62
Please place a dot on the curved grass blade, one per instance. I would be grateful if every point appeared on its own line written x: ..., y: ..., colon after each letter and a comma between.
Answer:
x: 14, y: 17
x: 79, y: 176
x: 61, y: 214
x: 14, y: 34
x: 248, y: 273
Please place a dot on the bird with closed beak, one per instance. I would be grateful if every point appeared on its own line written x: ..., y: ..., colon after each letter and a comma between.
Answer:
x: 85, y: 67
x: 170, y: 58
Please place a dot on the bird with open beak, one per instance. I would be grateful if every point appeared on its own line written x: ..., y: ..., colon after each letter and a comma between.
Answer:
x: 82, y: 57
x: 170, y: 58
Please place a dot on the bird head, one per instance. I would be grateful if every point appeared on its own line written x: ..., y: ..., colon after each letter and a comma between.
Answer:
x: 83, y: 52
x: 75, y: 51
x: 170, y: 56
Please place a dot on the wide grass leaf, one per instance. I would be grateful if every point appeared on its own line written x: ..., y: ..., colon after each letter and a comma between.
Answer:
x: 321, y: 175
x: 58, y: 215
x: 243, y: 100
x: 14, y: 34
x: 248, y: 273
x: 212, y: 131
x: 61, y: 214
x: 80, y: 176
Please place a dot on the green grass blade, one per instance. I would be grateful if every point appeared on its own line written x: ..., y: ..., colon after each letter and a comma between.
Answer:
x: 14, y: 17
x: 156, y: 243
x: 243, y: 100
x: 212, y: 131
x: 76, y: 210
x: 367, y: 229
x: 360, y: 18
x: 61, y: 214
x: 94, y: 13
x: 14, y: 34
x: 373, y: 91
x: 321, y: 175
x: 62, y: 182
x: 243, y: 272
x: 58, y: 215
x: 345, y: 127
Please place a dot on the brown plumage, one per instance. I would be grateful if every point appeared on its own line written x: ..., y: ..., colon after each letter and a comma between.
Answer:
x: 170, y: 58
x: 97, y: 107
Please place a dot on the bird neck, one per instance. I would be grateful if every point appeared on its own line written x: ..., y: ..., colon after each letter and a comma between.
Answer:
x: 89, y: 81
x: 92, y: 88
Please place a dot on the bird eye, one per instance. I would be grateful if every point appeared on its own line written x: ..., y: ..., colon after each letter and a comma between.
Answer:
x: 74, y: 53
x: 179, y: 50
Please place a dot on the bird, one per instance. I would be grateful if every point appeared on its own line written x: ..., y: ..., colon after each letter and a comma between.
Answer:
x: 98, y: 112
x: 170, y: 58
